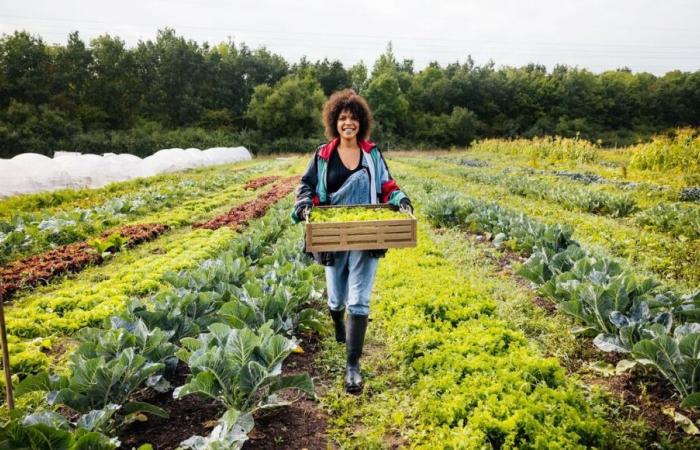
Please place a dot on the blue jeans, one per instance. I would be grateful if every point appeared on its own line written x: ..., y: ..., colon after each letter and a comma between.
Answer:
x: 350, y: 279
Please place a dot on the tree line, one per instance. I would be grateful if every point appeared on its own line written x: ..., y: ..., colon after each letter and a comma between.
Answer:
x: 173, y: 92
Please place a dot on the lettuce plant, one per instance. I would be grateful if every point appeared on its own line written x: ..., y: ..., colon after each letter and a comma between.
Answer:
x: 677, y: 357
x: 239, y: 367
x: 230, y: 432
x: 638, y: 324
x: 183, y: 313
x: 50, y: 430
x: 94, y: 383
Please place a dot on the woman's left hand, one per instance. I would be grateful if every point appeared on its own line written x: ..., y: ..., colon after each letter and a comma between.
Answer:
x: 405, y: 205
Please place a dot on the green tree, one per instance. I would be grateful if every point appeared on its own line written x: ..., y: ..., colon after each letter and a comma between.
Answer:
x: 292, y: 108
x: 71, y: 68
x: 175, y: 76
x: 358, y: 77
x: 463, y: 125
x: 332, y: 76
x: 429, y: 90
x: 388, y: 103
x: 111, y: 94
x: 25, y: 69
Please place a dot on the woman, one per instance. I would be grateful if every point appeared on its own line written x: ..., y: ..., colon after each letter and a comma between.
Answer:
x: 347, y: 170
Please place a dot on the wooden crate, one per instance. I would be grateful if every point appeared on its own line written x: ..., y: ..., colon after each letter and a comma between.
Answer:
x: 365, y: 235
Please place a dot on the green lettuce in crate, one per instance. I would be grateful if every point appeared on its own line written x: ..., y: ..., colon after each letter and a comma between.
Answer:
x: 321, y: 215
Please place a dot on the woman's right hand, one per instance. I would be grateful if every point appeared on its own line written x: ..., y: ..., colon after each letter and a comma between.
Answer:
x: 303, y: 209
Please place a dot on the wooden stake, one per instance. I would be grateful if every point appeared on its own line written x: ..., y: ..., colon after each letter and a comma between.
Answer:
x: 5, y: 355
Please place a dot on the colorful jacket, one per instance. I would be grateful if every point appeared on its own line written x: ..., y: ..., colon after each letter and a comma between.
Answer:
x: 312, y: 189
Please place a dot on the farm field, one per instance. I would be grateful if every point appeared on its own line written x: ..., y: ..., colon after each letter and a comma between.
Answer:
x: 553, y: 301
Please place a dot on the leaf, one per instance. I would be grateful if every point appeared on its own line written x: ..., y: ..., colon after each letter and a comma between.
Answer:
x: 158, y: 383
x: 573, y: 308
x: 584, y: 331
x: 94, y: 441
x: 252, y: 376
x: 663, y: 353
x: 609, y: 343
x: 33, y: 383
x: 618, y: 319
x: 625, y: 365
x: 692, y: 401
x: 603, y: 368
x: 684, y: 422
x: 144, y: 407
x: 48, y: 418
x: 135, y: 417
x: 95, y: 419
x: 689, y: 345
x: 230, y: 433
x: 204, y: 383
x: 300, y: 381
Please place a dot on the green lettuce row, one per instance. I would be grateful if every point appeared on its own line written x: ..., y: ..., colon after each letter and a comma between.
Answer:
x: 465, y: 378
x: 625, y: 312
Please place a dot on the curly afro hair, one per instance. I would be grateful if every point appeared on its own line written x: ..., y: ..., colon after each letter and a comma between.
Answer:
x: 347, y: 99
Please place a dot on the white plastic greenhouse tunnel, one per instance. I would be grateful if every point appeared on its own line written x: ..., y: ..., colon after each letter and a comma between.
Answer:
x: 31, y: 172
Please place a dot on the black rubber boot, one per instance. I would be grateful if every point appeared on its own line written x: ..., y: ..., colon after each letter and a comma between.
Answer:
x: 339, y: 324
x: 357, y: 326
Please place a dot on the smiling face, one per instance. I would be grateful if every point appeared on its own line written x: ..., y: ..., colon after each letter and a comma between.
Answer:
x: 348, y: 125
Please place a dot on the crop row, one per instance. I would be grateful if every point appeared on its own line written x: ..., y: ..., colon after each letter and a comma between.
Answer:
x: 593, y: 202
x: 640, y: 189
x: 25, y: 233
x: 645, y: 194
x: 67, y: 199
x: 675, y: 161
x: 674, y: 218
x: 674, y: 259
x: 33, y: 320
x: 231, y: 320
x: 41, y: 268
x: 546, y: 148
x: 465, y: 377
x: 628, y: 313
x: 239, y: 215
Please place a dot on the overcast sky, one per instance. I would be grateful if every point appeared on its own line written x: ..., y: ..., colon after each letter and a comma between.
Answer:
x: 644, y: 35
